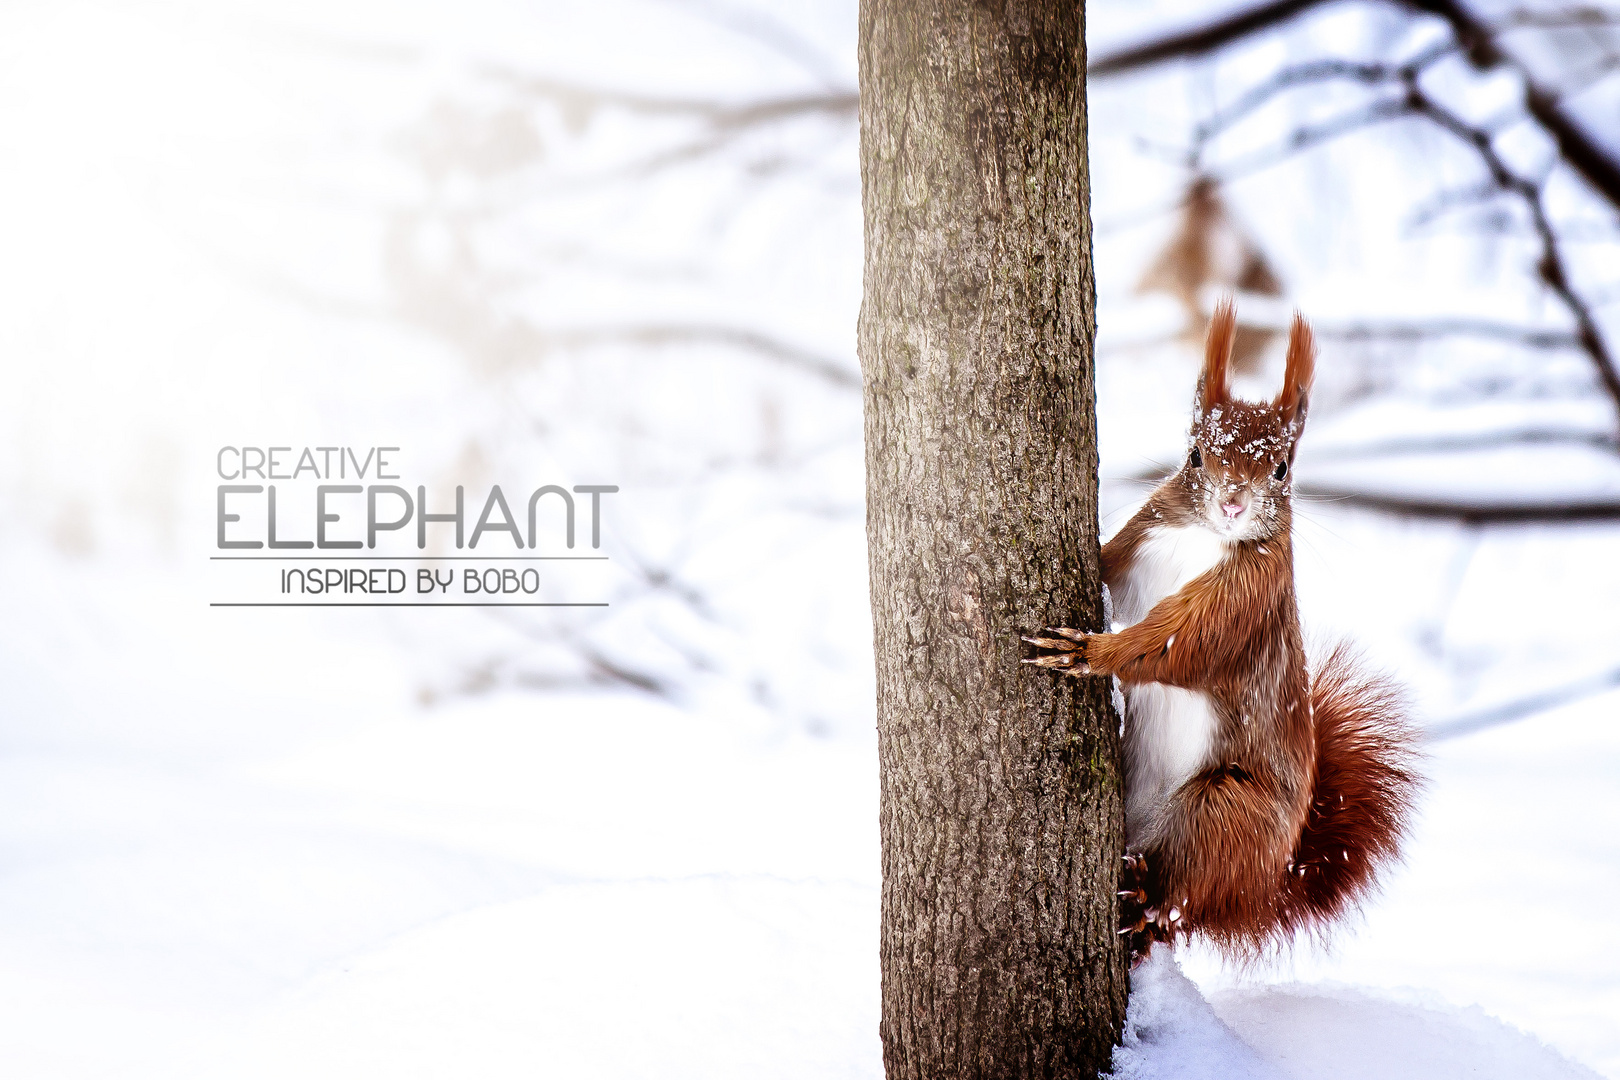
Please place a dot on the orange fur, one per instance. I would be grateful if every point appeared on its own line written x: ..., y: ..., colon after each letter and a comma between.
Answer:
x: 1299, y: 370
x: 1212, y: 382
x: 1307, y: 783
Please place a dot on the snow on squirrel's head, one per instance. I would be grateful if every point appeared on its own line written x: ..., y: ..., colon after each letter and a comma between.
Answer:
x: 1241, y: 453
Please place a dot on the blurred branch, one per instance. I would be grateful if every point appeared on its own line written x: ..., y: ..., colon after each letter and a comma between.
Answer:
x: 1463, y: 510
x: 1310, y: 135
x: 1434, y: 329
x: 1200, y: 40
x: 604, y: 670
x: 674, y: 334
x: 721, y: 124
x: 654, y: 578
x: 1551, y: 266
x: 579, y: 101
x: 1451, y: 199
x: 1507, y: 512
x: 764, y: 345
x: 1575, y: 145
x: 596, y: 667
x: 1507, y: 713
x: 774, y: 35
x: 1316, y: 72
x: 1575, y: 18
x: 1476, y: 37
x: 1455, y: 444
x: 1530, y: 337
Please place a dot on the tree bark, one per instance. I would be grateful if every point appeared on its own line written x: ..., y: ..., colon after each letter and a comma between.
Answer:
x: 1001, y: 784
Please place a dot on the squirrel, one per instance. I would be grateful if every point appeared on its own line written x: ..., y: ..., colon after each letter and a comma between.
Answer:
x: 1262, y: 798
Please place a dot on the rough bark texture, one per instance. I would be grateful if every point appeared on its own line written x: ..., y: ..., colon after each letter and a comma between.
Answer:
x: 1001, y: 790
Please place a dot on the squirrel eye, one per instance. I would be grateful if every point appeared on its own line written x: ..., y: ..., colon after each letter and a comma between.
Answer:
x: 1195, y: 459
x: 1282, y: 470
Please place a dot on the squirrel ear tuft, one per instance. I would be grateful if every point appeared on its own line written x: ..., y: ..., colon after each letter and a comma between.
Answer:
x: 1212, y: 387
x: 1299, y: 371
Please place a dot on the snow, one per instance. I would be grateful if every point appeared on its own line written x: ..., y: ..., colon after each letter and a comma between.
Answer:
x: 1339, y: 1033
x: 296, y: 843
x: 1322, y: 1031
x: 691, y: 978
x: 1171, y: 1031
x: 329, y: 879
x: 596, y: 884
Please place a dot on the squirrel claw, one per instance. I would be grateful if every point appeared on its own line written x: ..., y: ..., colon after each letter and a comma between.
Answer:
x: 1144, y: 915
x: 1068, y: 663
x: 1067, y: 650
x: 1050, y: 643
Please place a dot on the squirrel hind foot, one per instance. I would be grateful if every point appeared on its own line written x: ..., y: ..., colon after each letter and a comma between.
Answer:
x: 1144, y: 915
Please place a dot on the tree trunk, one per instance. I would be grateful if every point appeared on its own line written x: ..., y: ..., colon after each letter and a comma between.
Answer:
x: 1001, y: 791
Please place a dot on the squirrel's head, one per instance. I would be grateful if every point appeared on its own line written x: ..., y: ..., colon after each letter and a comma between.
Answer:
x: 1240, y: 463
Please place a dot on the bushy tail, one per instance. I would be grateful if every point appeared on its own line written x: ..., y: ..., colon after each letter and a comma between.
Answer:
x: 1366, y: 784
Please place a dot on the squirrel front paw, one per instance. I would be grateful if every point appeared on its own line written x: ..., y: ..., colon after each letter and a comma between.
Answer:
x: 1068, y: 650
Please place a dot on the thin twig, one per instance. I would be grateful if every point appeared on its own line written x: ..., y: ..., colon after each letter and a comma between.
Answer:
x: 1316, y: 72
x: 1311, y: 135
x: 1551, y: 266
x: 1575, y: 145
x: 1450, y: 200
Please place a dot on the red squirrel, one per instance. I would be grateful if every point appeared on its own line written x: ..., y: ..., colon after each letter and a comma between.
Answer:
x: 1261, y: 798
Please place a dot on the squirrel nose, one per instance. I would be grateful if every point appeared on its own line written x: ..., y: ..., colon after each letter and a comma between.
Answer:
x: 1232, y: 509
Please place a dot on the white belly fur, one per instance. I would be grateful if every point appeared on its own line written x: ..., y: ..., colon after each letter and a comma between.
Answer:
x: 1169, y: 731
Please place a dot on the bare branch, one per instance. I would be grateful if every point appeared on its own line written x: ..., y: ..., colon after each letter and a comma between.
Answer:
x: 1200, y: 40
x: 1289, y: 78
x: 1507, y: 713
x: 1434, y: 329
x: 720, y: 124
x: 1462, y: 444
x: 1575, y: 144
x: 640, y: 168
x: 1551, y: 266
x: 843, y: 376
x: 1465, y: 511
x: 1316, y: 72
x: 1505, y: 512
x: 1575, y: 18
x: 663, y: 580
x: 604, y: 669
x: 1451, y: 199
x: 1304, y: 138
x: 1483, y: 51
x: 1529, y: 337
x: 774, y: 35
x: 656, y: 335
x: 583, y: 100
